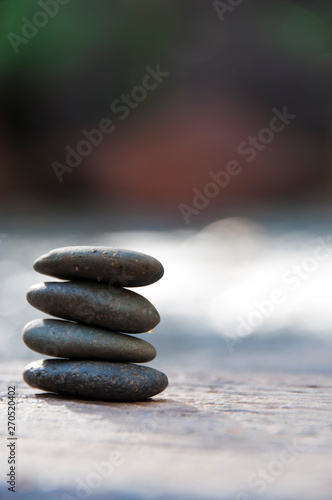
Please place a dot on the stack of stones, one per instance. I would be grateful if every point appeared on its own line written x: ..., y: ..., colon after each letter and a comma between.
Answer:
x: 99, y: 359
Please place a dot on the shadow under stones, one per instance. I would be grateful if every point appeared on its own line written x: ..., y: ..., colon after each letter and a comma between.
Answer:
x: 57, y: 399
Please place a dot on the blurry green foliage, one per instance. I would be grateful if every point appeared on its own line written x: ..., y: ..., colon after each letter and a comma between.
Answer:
x: 79, y: 30
x: 297, y: 30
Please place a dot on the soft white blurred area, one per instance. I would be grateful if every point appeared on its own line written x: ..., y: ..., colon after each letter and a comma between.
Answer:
x: 216, y: 277
x: 239, y: 290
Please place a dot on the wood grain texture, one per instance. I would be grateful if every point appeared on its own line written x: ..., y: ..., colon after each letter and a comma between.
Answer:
x: 208, y: 436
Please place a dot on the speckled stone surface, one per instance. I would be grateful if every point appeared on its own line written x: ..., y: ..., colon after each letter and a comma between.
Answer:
x: 96, y: 304
x: 113, y: 265
x: 101, y: 380
x: 64, y: 339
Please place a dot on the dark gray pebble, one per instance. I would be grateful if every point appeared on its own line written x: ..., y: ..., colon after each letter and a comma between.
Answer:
x: 101, y: 380
x: 112, y: 265
x: 95, y: 304
x: 64, y: 339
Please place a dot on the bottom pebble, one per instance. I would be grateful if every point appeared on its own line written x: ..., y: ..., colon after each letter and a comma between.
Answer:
x: 101, y: 380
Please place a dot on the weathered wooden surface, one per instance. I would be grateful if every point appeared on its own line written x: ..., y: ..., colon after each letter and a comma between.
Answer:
x: 217, y: 435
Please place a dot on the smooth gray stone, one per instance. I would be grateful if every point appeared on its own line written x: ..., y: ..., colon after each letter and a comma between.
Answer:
x: 113, y: 265
x: 95, y: 304
x: 100, y: 380
x: 64, y: 339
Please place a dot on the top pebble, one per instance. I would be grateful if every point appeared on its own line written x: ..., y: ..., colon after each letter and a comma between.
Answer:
x: 116, y: 266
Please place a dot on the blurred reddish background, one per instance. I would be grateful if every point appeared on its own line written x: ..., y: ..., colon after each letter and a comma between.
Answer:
x: 225, y: 77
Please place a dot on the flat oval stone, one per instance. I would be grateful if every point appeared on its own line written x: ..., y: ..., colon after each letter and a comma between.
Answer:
x: 64, y: 339
x: 95, y: 304
x: 100, y: 380
x: 113, y: 265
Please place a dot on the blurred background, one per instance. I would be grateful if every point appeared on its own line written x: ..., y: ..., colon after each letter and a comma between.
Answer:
x: 113, y: 116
